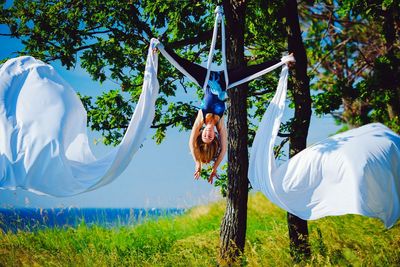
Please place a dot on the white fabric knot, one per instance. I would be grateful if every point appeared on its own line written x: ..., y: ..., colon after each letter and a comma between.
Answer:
x: 288, y: 58
x: 154, y: 43
x: 218, y: 10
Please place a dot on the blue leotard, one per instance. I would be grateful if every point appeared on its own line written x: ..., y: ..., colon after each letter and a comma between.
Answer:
x: 214, y: 95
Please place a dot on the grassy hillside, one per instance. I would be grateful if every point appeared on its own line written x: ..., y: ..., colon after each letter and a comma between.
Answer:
x: 192, y: 240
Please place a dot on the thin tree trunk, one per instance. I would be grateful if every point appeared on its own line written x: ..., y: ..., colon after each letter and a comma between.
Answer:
x: 298, y: 230
x: 389, y: 31
x: 233, y: 226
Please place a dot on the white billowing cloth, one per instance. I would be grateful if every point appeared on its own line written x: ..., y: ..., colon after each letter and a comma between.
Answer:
x: 43, y: 138
x: 355, y: 172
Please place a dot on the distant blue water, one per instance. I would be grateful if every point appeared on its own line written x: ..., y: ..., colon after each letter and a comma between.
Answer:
x: 27, y: 219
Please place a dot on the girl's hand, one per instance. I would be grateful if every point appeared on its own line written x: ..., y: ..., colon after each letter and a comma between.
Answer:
x: 289, y: 60
x: 212, y: 175
x: 198, y: 171
x: 155, y: 44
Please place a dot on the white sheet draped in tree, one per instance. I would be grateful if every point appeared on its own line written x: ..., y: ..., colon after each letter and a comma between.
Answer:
x: 43, y: 138
x: 355, y: 172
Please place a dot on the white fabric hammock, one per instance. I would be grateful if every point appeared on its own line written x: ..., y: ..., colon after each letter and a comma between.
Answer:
x: 43, y: 138
x: 355, y: 172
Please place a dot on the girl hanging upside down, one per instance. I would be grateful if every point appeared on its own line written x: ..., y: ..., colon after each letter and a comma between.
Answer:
x: 208, y: 139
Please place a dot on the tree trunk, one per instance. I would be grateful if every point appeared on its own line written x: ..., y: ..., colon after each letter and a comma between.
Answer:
x: 298, y: 231
x: 233, y: 226
x: 389, y: 31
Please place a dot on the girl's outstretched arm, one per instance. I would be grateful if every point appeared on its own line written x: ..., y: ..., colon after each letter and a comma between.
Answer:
x: 223, y: 135
x: 192, y: 140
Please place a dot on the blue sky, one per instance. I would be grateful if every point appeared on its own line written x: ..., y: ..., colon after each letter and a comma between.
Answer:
x: 158, y: 176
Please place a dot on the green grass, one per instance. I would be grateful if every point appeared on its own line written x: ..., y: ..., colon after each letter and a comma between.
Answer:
x: 192, y: 240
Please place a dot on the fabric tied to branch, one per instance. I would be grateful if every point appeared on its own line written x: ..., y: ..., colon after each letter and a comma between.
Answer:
x: 44, y: 145
x: 355, y: 172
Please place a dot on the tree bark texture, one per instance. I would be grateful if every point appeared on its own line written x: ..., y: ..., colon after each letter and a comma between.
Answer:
x: 389, y: 31
x: 233, y: 226
x: 298, y: 230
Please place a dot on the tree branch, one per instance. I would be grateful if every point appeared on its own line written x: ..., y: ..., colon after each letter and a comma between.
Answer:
x: 204, y: 36
x: 259, y: 93
x: 75, y: 50
x: 343, y: 43
x: 324, y: 17
x: 279, y: 148
x: 337, y: 115
x: 284, y: 135
x: 171, y: 122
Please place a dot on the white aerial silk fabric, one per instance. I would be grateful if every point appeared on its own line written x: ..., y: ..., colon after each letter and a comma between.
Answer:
x: 355, y: 172
x: 219, y: 17
x: 43, y: 136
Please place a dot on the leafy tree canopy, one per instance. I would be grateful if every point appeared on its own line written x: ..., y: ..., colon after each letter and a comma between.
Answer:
x: 354, y: 51
x: 110, y: 39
